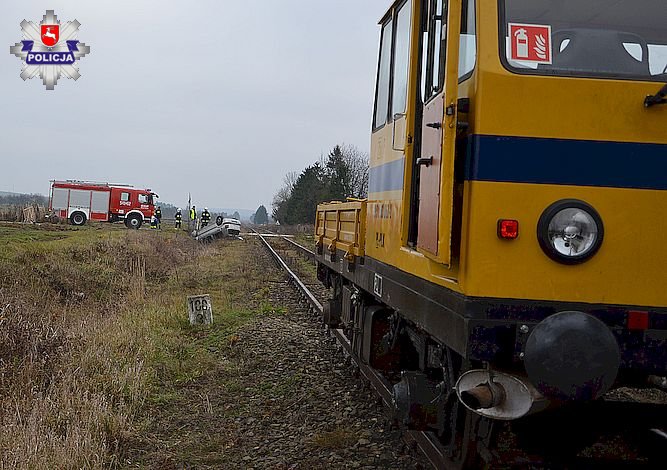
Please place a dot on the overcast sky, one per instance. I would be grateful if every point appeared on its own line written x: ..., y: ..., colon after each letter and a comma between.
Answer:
x: 219, y: 98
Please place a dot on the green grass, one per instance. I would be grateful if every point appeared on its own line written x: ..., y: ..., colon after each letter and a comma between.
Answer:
x: 27, y: 235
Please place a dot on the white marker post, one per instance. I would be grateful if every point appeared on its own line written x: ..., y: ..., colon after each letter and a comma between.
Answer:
x: 200, y: 310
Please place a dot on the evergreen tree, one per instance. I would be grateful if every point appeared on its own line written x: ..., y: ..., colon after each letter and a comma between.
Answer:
x: 338, y: 178
x: 261, y: 216
x: 347, y: 173
x: 307, y: 193
x: 343, y: 174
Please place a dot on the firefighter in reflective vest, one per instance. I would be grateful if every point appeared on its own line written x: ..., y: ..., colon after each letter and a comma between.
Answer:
x: 154, y: 222
x: 158, y: 215
x: 179, y: 218
x: 193, y: 217
x: 205, y: 217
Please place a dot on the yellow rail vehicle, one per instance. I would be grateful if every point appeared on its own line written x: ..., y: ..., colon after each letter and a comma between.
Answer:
x: 511, y: 252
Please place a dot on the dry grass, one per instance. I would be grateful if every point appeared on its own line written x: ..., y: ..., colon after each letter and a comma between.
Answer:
x: 339, y: 438
x: 94, y: 337
x: 77, y: 334
x: 14, y: 212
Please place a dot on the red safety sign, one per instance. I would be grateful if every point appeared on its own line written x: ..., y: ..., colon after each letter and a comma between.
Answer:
x: 530, y: 43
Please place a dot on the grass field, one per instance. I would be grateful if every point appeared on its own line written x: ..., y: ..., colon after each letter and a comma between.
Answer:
x: 94, y: 331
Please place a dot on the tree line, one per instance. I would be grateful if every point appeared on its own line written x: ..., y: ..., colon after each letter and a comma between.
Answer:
x: 341, y: 175
x: 16, y: 199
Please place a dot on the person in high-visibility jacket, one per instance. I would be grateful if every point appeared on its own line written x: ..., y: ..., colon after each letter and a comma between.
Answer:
x: 192, y: 225
x: 158, y: 216
x: 179, y: 218
x: 205, y: 217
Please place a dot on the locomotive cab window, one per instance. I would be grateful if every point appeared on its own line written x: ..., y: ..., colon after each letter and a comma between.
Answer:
x: 392, y: 80
x: 468, y: 46
x: 625, y: 39
x: 433, y: 43
x: 401, y: 60
x: 382, y: 88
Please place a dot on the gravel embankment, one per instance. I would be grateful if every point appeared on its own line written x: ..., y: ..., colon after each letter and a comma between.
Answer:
x: 309, y: 412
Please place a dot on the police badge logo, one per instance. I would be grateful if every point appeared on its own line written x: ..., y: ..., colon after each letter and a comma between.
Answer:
x: 50, y: 50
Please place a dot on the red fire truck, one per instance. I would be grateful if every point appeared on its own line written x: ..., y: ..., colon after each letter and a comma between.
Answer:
x: 79, y: 201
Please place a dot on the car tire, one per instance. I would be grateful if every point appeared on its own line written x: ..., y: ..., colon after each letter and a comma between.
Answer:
x: 218, y: 220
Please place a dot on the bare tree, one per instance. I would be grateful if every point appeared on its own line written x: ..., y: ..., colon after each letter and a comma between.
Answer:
x: 342, y: 174
x: 357, y: 163
x: 290, y: 179
x: 284, y: 193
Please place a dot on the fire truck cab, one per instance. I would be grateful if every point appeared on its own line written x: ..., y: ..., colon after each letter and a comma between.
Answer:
x: 80, y: 201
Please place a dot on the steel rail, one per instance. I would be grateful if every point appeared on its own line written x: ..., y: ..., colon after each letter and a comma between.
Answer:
x: 427, y: 442
x: 293, y: 277
x: 309, y: 253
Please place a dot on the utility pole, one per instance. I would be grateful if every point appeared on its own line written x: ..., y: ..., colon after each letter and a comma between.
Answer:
x: 189, y: 219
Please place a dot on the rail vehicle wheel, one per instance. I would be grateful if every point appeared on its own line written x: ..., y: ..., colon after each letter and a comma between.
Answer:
x: 78, y: 218
x: 427, y: 401
x: 133, y: 221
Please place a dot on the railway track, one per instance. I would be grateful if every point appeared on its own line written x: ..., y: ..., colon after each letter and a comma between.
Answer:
x: 426, y: 442
x: 647, y: 423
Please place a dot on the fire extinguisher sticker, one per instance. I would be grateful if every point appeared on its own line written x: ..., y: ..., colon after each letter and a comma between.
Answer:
x: 530, y: 43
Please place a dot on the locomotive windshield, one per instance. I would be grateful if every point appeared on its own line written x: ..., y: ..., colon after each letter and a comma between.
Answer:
x: 591, y: 38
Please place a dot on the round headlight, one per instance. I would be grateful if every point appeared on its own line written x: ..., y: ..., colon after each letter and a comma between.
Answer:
x: 570, y: 231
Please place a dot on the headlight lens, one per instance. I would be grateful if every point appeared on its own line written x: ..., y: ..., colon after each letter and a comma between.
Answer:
x: 570, y: 231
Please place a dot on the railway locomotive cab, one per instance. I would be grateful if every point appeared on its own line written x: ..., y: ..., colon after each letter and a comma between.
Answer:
x: 508, y: 264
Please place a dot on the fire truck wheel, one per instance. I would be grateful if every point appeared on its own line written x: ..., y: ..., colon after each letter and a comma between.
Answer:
x: 133, y: 221
x: 78, y: 218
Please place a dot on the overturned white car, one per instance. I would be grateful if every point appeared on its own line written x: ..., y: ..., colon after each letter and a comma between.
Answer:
x: 223, y: 227
x: 230, y: 227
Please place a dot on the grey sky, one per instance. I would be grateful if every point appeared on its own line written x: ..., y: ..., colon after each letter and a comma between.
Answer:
x: 217, y: 97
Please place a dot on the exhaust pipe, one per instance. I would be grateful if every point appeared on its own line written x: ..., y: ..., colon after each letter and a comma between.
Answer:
x: 498, y: 395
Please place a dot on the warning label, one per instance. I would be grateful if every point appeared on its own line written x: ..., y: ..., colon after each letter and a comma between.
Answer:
x: 530, y: 43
